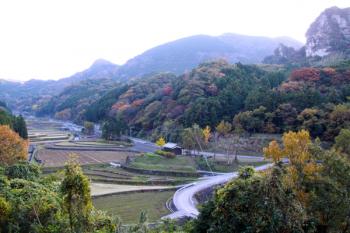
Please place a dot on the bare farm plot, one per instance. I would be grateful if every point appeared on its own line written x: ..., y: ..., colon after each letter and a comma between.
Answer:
x: 99, y: 189
x: 57, y: 158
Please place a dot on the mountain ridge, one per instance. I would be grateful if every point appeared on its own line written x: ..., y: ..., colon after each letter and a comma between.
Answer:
x: 186, y: 53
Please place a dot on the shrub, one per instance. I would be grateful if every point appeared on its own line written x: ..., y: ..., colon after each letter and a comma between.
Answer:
x: 166, y: 154
x: 23, y: 170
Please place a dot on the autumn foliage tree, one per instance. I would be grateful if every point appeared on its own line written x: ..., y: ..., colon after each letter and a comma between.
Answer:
x: 160, y: 142
x: 296, y: 147
x: 12, y: 147
x: 224, y: 128
x: 206, y: 134
x: 305, y: 74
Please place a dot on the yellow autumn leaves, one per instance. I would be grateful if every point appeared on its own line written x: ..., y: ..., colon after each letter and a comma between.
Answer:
x: 301, y: 164
x: 295, y: 147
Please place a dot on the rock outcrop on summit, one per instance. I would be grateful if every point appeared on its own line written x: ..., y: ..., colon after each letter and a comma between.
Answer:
x: 329, y: 34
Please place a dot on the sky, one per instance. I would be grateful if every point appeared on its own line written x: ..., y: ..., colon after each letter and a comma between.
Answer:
x: 52, y: 39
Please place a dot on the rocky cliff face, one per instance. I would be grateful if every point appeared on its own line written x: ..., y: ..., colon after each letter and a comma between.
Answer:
x: 286, y: 55
x: 329, y: 34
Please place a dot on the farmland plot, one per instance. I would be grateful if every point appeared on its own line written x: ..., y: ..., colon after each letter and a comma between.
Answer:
x: 57, y: 158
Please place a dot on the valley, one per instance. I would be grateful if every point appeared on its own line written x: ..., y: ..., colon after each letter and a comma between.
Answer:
x: 204, y: 133
x: 57, y: 141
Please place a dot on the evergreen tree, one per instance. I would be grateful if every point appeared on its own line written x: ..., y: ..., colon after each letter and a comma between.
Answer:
x: 75, y: 189
x: 20, y: 127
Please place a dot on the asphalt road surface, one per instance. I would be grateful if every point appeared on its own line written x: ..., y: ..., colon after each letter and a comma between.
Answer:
x: 143, y: 145
x: 184, y: 197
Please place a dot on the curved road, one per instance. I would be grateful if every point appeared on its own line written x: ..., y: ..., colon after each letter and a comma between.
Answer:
x: 184, y: 197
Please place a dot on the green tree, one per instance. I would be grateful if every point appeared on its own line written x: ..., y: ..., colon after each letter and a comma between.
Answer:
x: 20, y: 127
x: 23, y: 170
x: 342, y: 142
x: 251, y: 121
x: 253, y: 203
x: 5, y: 118
x: 113, y: 128
x: 75, y: 189
x: 187, y: 139
x: 33, y: 208
x: 5, y: 210
x: 89, y: 128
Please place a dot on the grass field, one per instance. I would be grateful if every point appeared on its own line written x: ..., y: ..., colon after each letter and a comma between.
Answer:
x: 129, y: 206
x: 56, y: 158
x: 156, y: 162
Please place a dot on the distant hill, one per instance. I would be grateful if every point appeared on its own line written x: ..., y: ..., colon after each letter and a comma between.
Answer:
x: 186, y: 53
x: 99, y: 69
x: 23, y: 95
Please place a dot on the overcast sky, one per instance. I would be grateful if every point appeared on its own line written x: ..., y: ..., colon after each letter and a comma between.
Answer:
x: 49, y: 39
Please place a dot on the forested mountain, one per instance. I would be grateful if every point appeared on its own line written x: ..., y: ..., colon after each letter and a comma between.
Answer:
x: 175, y: 57
x: 185, y: 54
x: 253, y: 97
x: 72, y: 102
x: 22, y: 96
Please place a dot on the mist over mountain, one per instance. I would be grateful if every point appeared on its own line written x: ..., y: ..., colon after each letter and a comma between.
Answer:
x: 99, y: 69
x: 186, y: 53
x: 20, y: 95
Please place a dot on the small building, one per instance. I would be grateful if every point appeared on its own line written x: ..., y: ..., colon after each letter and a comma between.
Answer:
x: 172, y: 147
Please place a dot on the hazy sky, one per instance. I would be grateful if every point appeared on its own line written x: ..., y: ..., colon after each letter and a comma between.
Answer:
x: 49, y: 39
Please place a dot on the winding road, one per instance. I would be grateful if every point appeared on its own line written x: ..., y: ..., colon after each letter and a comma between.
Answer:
x: 184, y: 200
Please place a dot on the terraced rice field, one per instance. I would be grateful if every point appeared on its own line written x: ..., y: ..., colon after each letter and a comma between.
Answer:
x: 107, y: 174
x: 98, y: 189
x: 151, y: 202
x: 93, y: 144
x: 156, y: 162
x: 57, y: 158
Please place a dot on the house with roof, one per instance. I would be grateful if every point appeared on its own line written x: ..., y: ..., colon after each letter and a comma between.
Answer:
x: 172, y: 147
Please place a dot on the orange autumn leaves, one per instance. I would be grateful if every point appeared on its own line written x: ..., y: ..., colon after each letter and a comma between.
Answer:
x: 12, y: 147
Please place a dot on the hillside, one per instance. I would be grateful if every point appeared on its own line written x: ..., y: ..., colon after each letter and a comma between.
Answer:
x: 254, y: 97
x: 71, y: 103
x: 22, y: 96
x: 184, y: 54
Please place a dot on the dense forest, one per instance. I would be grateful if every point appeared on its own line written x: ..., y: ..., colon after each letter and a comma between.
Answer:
x: 72, y: 102
x: 17, y: 123
x: 264, y: 99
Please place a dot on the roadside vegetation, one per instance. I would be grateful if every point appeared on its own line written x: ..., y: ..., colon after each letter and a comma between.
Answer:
x: 309, y: 194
